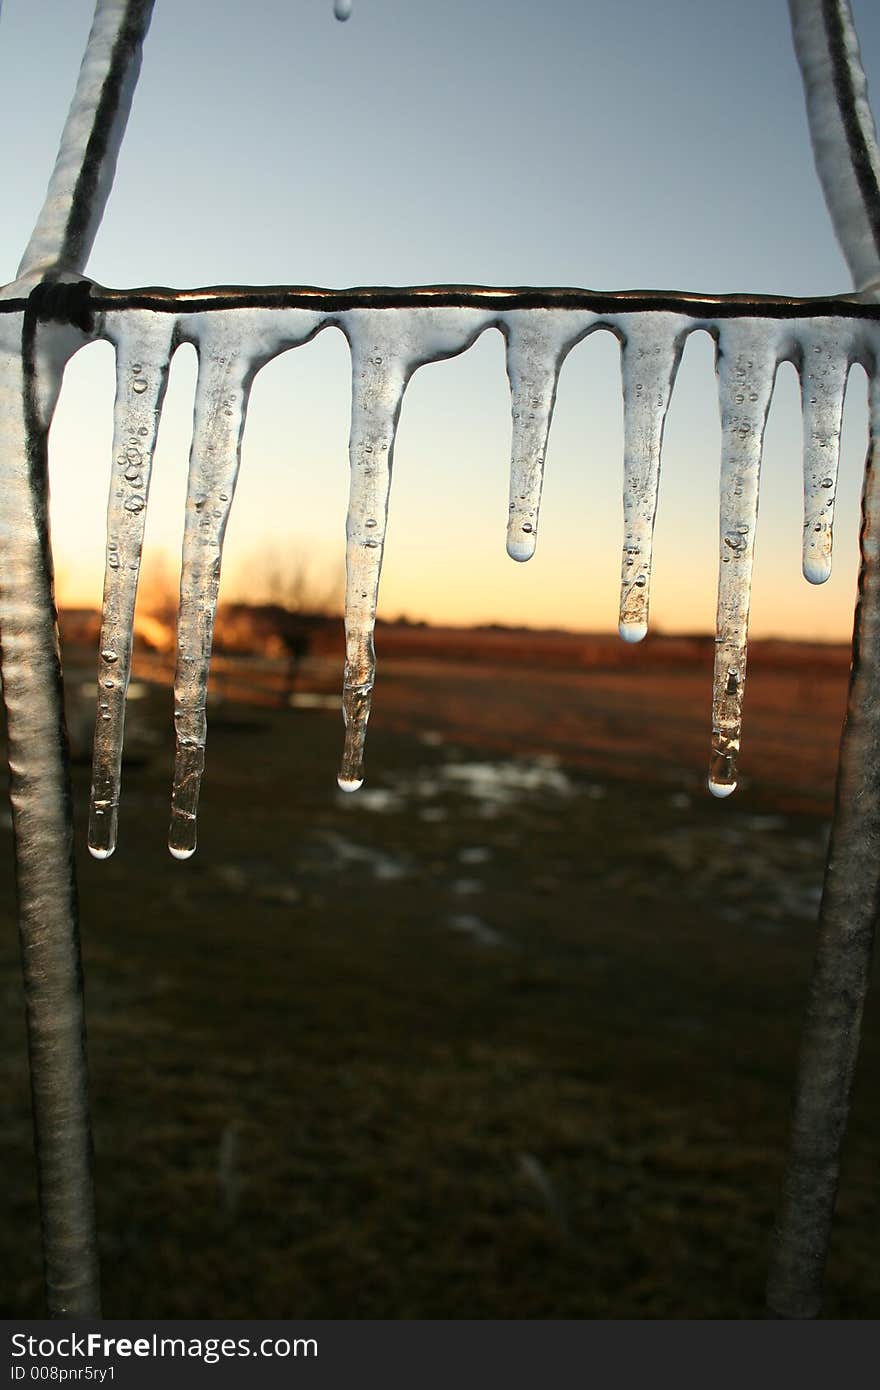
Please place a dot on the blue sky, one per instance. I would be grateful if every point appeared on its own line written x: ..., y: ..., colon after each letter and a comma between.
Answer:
x: 622, y: 145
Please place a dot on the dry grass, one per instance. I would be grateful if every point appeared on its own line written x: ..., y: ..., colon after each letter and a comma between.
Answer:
x: 515, y: 1042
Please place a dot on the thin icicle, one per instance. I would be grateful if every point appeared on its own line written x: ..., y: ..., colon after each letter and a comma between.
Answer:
x: 537, y: 343
x: 143, y: 354
x: 747, y: 355
x: 823, y: 370
x: 651, y: 354
x: 386, y: 348
x: 379, y: 377
x: 232, y: 347
x: 221, y: 401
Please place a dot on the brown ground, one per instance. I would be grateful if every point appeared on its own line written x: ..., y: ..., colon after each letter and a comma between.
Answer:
x: 509, y: 1034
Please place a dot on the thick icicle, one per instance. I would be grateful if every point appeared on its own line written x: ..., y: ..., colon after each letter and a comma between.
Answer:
x: 824, y: 368
x: 746, y: 373
x: 537, y: 343
x: 651, y: 354
x: 379, y: 377
x: 143, y: 351
x: 225, y: 373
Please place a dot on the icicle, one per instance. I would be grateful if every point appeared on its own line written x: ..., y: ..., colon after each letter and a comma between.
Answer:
x: 537, y: 343
x: 651, y: 354
x: 746, y: 372
x: 342, y: 9
x: 224, y: 377
x: 379, y: 377
x: 386, y: 348
x: 143, y: 352
x: 232, y: 347
x: 823, y: 370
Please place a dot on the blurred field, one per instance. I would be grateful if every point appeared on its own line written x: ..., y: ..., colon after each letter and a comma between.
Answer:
x: 510, y: 1033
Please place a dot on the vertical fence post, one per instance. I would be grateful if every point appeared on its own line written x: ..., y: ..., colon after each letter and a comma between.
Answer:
x: 848, y: 163
x: 31, y: 361
x: 43, y: 832
x: 839, y: 983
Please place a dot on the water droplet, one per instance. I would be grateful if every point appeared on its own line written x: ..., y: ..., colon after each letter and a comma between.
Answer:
x: 527, y: 526
x: 370, y: 521
x: 342, y: 10
x: 632, y: 632
x: 349, y: 784
x: 109, y: 654
x: 135, y: 504
x: 139, y: 386
x: 721, y: 789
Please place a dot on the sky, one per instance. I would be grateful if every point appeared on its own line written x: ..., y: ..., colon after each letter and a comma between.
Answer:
x: 612, y: 146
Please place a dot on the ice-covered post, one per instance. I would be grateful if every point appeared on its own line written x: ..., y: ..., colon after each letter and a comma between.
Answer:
x: 848, y: 162
x: 33, y: 351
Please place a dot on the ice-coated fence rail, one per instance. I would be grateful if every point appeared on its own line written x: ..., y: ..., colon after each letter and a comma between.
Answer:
x: 392, y: 333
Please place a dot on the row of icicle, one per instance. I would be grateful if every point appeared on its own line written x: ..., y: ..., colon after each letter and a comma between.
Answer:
x: 387, y: 346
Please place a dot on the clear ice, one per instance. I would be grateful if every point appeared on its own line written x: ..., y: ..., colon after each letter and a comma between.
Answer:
x: 143, y: 352
x: 388, y: 345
